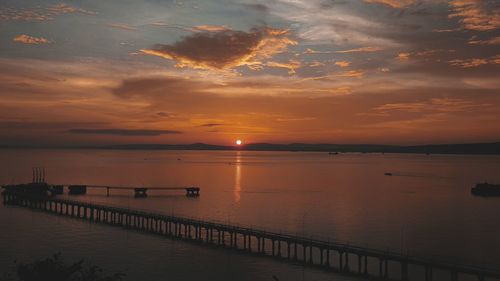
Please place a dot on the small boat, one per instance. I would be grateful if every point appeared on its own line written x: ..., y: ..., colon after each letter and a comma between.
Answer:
x: 486, y: 189
x: 387, y: 174
x: 333, y: 153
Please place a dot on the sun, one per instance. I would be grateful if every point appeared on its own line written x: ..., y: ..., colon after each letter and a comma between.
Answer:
x: 238, y: 142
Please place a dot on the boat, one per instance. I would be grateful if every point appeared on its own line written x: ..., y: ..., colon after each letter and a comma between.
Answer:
x: 486, y: 189
x: 333, y: 153
x: 387, y: 174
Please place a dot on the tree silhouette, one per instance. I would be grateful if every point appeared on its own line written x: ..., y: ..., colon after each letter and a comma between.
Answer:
x: 54, y: 269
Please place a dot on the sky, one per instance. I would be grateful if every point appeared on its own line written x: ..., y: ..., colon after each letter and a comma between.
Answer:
x: 99, y: 72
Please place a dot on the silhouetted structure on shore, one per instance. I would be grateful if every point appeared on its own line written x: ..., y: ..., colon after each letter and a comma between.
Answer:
x: 38, y: 187
x: 486, y: 189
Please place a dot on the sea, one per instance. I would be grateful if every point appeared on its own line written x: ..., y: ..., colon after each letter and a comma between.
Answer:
x: 424, y: 208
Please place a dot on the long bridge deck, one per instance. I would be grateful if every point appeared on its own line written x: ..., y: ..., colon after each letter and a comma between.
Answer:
x: 311, y: 252
x: 140, y: 191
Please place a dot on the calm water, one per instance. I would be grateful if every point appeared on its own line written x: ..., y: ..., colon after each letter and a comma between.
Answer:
x: 425, y: 208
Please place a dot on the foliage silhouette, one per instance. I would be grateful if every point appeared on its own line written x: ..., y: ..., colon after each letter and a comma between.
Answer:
x: 55, y: 269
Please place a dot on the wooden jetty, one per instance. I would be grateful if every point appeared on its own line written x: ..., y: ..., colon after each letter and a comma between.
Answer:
x: 191, y: 191
x: 349, y: 259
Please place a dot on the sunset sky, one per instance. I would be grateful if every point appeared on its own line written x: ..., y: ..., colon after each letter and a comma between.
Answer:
x: 318, y: 71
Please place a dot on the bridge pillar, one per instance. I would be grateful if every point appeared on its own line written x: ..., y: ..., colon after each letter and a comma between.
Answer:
x: 295, y: 251
x: 341, y: 261
x: 404, y: 271
x: 428, y: 273
x: 272, y: 252
x: 380, y: 268
x: 386, y: 270
x: 346, y: 268
x: 279, y: 248
x: 249, y: 243
x: 328, y: 257
x: 311, y: 261
x: 288, y: 249
x: 359, y: 263
x: 321, y: 250
x: 304, y: 253
x: 365, y: 271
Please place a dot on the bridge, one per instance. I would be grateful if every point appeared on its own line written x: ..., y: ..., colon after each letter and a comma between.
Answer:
x: 349, y: 259
x: 191, y: 191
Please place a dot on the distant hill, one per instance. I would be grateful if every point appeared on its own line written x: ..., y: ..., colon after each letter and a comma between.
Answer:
x: 473, y: 148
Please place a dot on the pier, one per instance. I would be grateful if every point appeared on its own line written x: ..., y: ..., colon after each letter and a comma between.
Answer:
x: 337, y: 257
x: 191, y: 191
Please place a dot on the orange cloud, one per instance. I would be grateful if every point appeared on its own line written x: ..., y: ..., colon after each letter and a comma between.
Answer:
x: 352, y: 73
x: 225, y: 49
x: 40, y: 13
x: 403, y: 56
x: 316, y: 63
x: 342, y: 63
x: 122, y: 26
x: 360, y: 50
x: 26, y: 39
x: 480, y: 15
x: 444, y: 105
x: 393, y: 3
x: 492, y: 41
x: 468, y: 63
x: 292, y: 65
x: 495, y: 59
x: 210, y: 28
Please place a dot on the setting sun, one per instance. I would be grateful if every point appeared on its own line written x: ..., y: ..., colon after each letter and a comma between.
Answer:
x: 238, y: 142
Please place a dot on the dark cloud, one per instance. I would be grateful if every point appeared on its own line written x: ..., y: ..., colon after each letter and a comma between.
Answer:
x: 124, y: 132
x: 157, y: 87
x: 211, y: 125
x: 163, y: 114
x: 257, y: 7
x: 29, y: 125
x: 224, y: 49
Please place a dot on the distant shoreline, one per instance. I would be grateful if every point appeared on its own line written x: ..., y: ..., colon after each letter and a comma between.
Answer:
x: 471, y: 148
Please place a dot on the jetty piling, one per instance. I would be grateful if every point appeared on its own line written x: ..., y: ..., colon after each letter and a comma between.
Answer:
x: 315, y: 253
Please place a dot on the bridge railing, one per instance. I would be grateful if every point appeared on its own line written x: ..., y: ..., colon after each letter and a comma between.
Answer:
x: 312, y: 239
